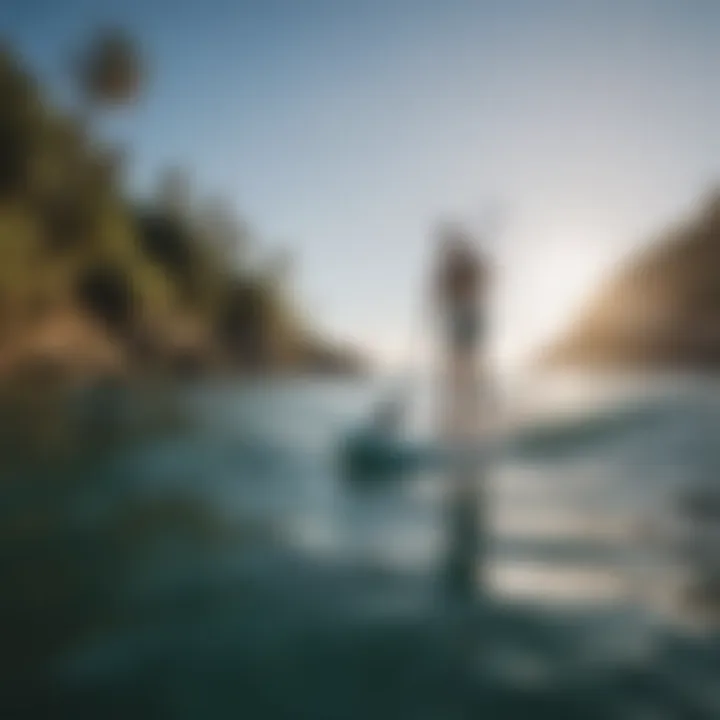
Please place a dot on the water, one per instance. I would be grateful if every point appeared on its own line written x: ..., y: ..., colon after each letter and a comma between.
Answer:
x: 214, y: 563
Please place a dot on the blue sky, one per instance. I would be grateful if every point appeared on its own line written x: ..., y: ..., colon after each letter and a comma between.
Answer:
x: 345, y: 128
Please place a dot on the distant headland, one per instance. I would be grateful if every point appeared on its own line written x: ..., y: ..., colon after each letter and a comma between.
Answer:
x: 660, y: 310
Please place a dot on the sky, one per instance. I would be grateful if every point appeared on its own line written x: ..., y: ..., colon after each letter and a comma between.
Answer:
x: 565, y: 132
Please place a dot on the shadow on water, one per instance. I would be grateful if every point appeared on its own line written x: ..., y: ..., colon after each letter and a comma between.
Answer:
x: 141, y: 580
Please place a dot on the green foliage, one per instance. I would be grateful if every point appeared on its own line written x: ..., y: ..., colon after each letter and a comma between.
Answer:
x: 173, y: 269
x: 109, y: 70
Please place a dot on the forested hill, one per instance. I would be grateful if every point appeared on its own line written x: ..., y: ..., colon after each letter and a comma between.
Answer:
x: 92, y: 281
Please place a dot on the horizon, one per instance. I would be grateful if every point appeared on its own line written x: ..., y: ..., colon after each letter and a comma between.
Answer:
x: 345, y: 133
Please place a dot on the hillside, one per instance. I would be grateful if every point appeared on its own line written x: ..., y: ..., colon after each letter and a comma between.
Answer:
x: 660, y: 310
x: 93, y: 280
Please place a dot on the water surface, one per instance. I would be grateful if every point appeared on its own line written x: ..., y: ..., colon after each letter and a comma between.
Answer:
x: 210, y: 561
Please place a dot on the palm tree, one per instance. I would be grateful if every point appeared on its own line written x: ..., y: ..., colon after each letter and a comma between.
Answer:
x: 110, y: 70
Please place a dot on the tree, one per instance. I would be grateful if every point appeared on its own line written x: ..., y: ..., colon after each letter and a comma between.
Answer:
x: 225, y: 236
x: 20, y: 117
x: 106, y: 292
x: 109, y: 71
x: 173, y: 193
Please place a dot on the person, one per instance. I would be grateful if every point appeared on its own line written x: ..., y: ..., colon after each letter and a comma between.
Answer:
x: 460, y: 286
x: 460, y: 290
x: 459, y: 280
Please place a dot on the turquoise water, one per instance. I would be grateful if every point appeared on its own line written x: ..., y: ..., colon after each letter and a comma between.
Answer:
x: 211, y: 561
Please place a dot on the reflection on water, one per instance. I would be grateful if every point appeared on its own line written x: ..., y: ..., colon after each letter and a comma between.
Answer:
x: 194, y: 553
